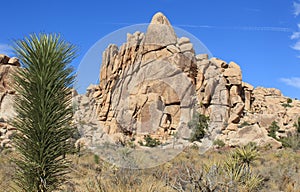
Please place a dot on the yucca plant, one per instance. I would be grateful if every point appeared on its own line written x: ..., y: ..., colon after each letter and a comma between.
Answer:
x: 234, y: 170
x: 246, y: 155
x: 44, y: 111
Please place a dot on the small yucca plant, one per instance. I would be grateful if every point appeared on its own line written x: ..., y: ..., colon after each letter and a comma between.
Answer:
x: 44, y: 111
x: 246, y: 155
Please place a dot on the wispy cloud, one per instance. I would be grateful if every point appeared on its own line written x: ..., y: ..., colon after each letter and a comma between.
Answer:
x: 293, y: 81
x: 296, y: 6
x: 195, y: 26
x: 252, y: 9
x: 6, y: 49
x: 296, y: 36
x: 246, y: 28
x: 259, y: 28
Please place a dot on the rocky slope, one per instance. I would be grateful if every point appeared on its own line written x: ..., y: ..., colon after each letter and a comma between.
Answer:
x: 155, y: 82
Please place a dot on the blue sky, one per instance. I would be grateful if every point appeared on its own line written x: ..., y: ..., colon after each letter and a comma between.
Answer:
x: 262, y: 36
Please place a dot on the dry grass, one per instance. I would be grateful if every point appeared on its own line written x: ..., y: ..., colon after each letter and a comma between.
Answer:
x: 189, y: 171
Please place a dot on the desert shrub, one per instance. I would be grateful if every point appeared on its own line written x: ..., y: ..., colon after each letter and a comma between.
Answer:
x: 244, y: 124
x: 190, y: 171
x: 199, y: 125
x: 293, y: 139
x: 286, y: 105
x: 273, y: 128
x: 96, y: 159
x: 125, y: 180
x: 130, y: 144
x: 219, y: 143
x: 230, y: 173
x: 252, y: 145
x: 149, y: 141
x: 297, y: 125
x: 290, y: 142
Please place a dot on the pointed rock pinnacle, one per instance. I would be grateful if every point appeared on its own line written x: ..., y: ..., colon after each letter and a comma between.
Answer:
x: 160, y: 33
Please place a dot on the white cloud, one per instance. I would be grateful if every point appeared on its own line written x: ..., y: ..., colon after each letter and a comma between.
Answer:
x: 296, y: 8
x: 295, y: 35
x: 6, y: 49
x: 296, y: 46
x: 293, y: 81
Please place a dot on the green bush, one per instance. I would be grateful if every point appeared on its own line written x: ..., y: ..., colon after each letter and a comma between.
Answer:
x: 288, y: 102
x: 219, y: 143
x: 252, y: 145
x: 96, y: 159
x: 297, y: 125
x: 244, y: 124
x: 199, y: 125
x: 286, y: 105
x: 149, y: 141
x: 273, y: 128
x: 291, y: 141
x: 131, y: 144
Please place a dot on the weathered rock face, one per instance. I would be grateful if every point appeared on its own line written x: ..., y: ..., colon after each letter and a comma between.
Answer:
x: 147, y: 86
x: 90, y: 129
x: 154, y: 83
x: 270, y: 105
x: 222, y: 94
x: 8, y: 66
x: 231, y: 104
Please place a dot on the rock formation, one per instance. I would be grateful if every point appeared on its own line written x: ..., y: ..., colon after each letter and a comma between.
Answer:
x: 8, y: 66
x: 154, y: 82
x: 148, y: 85
x: 153, y: 85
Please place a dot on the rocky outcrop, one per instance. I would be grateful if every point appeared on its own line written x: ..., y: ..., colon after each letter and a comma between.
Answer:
x: 154, y: 83
x: 8, y: 66
x: 147, y: 85
x: 239, y: 113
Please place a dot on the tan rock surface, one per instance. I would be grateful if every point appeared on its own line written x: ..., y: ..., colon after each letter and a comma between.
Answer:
x: 150, y: 84
x: 8, y: 67
x: 248, y: 134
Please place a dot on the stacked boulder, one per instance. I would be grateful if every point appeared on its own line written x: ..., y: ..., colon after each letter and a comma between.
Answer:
x: 154, y: 83
x: 8, y: 66
x: 147, y: 86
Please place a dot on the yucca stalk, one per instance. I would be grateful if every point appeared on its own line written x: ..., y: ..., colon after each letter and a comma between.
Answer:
x: 44, y: 111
